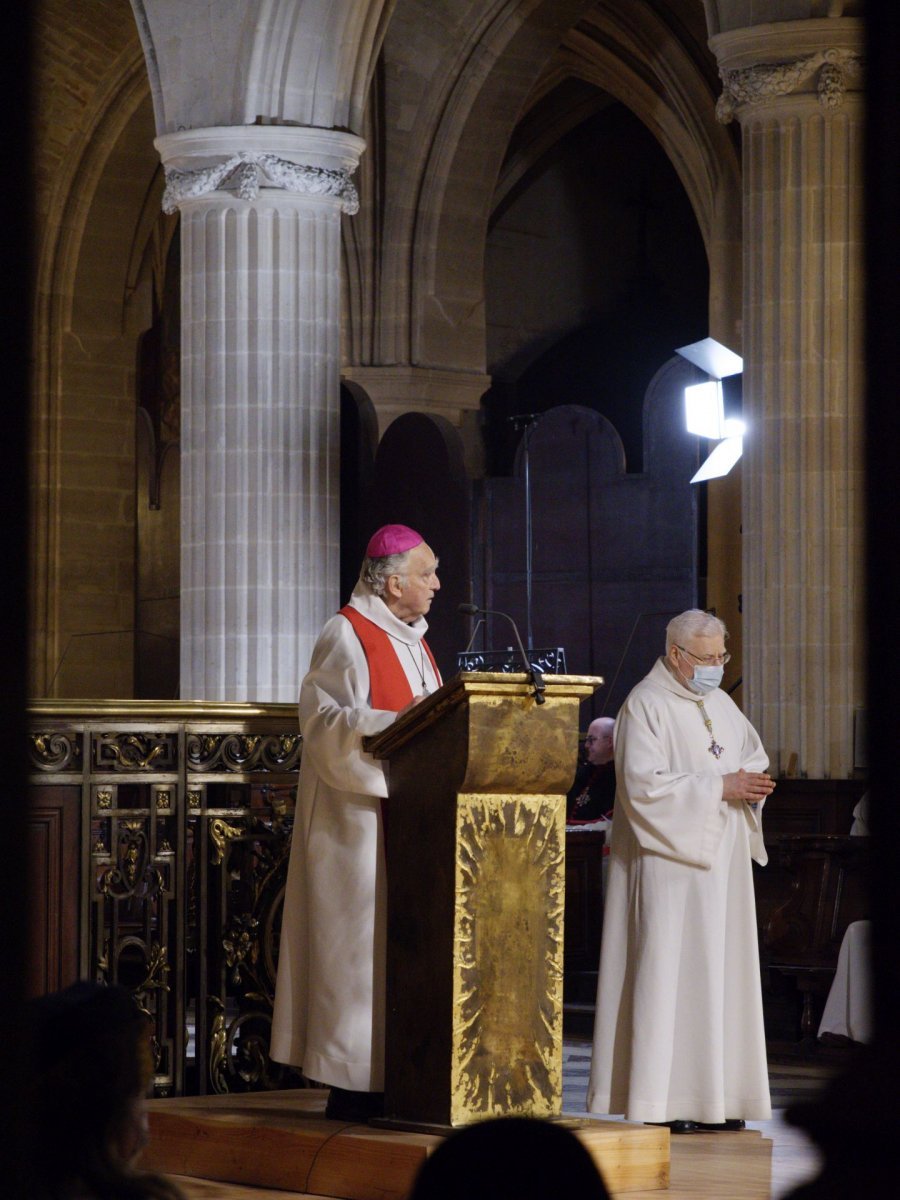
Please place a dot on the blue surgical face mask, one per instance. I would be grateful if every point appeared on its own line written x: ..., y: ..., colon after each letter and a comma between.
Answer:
x: 706, y: 679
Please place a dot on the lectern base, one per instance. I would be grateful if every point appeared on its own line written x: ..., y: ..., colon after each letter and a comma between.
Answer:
x: 283, y: 1140
x: 412, y: 1126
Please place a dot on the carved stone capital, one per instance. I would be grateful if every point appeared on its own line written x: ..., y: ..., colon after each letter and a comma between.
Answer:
x: 832, y: 69
x: 247, y: 173
x: 246, y: 159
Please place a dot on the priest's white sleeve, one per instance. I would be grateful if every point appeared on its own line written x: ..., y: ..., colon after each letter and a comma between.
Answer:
x: 335, y: 714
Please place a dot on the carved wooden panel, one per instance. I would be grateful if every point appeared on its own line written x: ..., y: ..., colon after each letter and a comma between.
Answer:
x: 614, y: 553
x: 584, y: 901
x: 812, y: 806
x: 827, y: 888
x: 813, y: 887
x: 53, y: 850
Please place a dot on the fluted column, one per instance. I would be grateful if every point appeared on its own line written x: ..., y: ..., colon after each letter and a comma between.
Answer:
x: 795, y: 88
x: 260, y: 237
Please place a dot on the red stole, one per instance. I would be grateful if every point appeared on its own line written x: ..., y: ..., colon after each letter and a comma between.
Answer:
x: 389, y: 688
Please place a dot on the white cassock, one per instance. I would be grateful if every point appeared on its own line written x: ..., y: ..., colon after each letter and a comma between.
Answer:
x: 679, y: 1025
x: 329, y: 996
x: 848, y: 1009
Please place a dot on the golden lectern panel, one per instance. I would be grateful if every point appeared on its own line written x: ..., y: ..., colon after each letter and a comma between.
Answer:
x: 507, y: 988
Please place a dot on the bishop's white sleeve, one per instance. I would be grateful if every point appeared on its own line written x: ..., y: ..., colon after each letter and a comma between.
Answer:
x: 335, y: 714
x: 678, y: 814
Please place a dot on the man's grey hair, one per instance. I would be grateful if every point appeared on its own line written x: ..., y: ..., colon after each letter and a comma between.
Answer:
x: 693, y: 623
x: 375, y: 572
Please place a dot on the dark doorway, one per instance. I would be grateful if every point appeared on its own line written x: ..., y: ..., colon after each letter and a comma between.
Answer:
x: 420, y: 480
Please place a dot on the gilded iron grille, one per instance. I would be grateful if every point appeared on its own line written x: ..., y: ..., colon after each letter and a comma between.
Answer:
x: 183, y: 838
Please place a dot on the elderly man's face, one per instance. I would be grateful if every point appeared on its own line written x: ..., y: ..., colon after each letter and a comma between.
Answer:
x: 598, y: 745
x: 697, y: 651
x: 413, y: 598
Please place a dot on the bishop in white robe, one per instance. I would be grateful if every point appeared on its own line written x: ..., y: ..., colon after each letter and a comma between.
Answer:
x: 329, y: 998
x: 679, y: 1035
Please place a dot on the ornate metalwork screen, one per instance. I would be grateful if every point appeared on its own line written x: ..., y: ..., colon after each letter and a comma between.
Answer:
x: 549, y: 661
x: 186, y: 813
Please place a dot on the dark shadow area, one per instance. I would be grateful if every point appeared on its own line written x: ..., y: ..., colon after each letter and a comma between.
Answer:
x: 420, y: 480
x: 359, y: 438
x: 16, y: 302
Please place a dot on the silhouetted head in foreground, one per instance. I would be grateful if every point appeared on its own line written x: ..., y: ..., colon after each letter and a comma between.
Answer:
x: 90, y: 1070
x: 511, y: 1156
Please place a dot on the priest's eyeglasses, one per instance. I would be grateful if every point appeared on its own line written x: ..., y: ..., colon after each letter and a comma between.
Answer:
x: 706, y: 660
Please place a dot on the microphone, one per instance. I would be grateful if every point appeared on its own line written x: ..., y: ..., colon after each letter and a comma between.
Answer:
x: 537, y: 679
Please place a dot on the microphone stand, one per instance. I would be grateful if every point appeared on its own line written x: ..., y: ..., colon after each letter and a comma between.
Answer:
x: 478, y: 625
x: 537, y: 679
x: 529, y: 428
x: 528, y: 421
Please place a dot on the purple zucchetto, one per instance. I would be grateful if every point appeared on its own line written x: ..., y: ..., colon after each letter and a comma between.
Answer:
x: 392, y: 539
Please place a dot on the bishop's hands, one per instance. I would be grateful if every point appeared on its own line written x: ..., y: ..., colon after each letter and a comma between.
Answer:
x: 751, y: 786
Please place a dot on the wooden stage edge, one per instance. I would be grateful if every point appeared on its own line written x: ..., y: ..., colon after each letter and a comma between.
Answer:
x: 283, y: 1140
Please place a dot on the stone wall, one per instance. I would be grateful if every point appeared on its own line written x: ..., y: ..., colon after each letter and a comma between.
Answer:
x: 97, y: 202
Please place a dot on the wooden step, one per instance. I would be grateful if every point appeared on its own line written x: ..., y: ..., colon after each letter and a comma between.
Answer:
x: 283, y: 1140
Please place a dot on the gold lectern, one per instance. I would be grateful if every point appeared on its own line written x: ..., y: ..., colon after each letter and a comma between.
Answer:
x: 475, y: 844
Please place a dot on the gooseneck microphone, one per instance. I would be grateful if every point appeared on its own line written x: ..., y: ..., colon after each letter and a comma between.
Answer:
x: 537, y: 679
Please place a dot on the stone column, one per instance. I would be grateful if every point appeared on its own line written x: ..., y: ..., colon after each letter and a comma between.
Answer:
x: 795, y: 88
x: 260, y: 236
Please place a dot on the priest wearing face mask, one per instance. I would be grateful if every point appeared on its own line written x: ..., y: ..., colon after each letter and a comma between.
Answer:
x: 370, y: 663
x: 679, y: 1036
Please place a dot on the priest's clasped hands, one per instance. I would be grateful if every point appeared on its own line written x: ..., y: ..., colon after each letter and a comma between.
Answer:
x: 752, y: 786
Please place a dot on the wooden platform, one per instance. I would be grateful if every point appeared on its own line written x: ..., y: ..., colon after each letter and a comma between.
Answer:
x: 282, y: 1140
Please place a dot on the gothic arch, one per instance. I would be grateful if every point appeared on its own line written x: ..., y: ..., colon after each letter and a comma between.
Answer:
x: 671, y: 92
x: 447, y: 68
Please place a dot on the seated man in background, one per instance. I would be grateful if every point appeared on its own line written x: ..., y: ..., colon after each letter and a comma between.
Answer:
x: 592, y: 795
